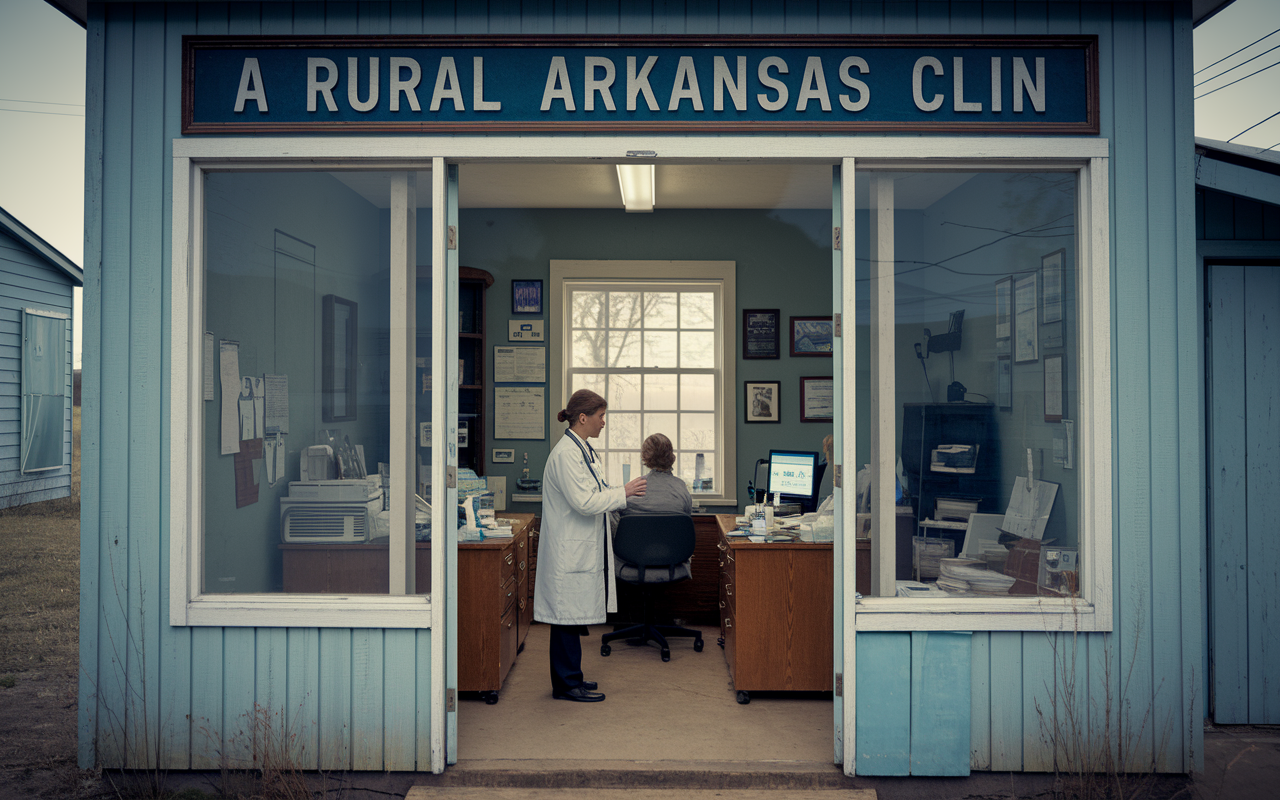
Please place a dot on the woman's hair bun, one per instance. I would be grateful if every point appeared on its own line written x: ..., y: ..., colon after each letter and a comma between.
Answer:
x: 563, y: 415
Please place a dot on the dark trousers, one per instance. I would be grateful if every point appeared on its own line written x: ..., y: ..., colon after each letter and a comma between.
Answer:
x: 566, y: 656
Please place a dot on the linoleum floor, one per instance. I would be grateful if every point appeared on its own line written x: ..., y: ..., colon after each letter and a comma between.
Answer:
x: 682, y: 710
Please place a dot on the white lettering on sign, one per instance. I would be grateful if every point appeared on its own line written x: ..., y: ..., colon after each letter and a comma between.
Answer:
x: 251, y: 87
x: 773, y: 83
x: 917, y: 83
x: 407, y: 87
x: 1022, y: 81
x: 724, y: 81
x: 353, y: 85
x: 447, y: 86
x: 864, y: 92
x: 997, y: 104
x: 685, y: 85
x: 478, y: 103
x: 593, y: 85
x: 813, y: 86
x: 557, y: 87
x: 638, y: 82
x: 957, y: 87
x: 316, y: 87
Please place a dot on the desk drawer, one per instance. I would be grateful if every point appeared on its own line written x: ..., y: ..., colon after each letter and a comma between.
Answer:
x: 507, y: 595
x: 507, y: 566
x: 508, y: 643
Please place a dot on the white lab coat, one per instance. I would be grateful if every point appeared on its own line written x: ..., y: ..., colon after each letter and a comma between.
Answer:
x: 570, y: 588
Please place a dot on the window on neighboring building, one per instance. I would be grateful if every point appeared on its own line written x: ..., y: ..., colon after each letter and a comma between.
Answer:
x: 44, y: 390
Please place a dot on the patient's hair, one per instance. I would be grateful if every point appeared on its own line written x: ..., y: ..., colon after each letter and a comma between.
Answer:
x: 583, y: 401
x: 656, y: 452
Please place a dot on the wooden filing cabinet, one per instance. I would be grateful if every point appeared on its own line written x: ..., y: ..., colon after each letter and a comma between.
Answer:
x: 776, y: 614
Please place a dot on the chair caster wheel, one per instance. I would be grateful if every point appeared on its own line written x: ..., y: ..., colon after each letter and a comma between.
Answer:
x: 697, y: 645
x: 666, y: 654
x: 605, y: 649
x: 744, y: 698
x: 490, y: 698
x: 720, y: 641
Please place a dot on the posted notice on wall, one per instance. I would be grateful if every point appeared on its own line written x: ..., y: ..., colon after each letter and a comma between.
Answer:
x: 519, y: 365
x: 277, y: 403
x: 229, y: 372
x: 519, y: 413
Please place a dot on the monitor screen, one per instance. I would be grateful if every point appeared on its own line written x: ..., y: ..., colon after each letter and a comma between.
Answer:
x: 793, y: 473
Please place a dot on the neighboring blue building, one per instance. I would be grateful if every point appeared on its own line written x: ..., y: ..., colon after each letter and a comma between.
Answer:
x: 1238, y: 248
x: 35, y: 366
x: 280, y: 196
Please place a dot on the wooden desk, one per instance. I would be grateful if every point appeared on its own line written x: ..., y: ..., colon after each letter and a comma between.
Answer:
x: 495, y: 606
x: 776, y: 613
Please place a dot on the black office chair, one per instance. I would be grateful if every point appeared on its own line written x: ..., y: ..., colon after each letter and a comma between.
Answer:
x: 651, y: 549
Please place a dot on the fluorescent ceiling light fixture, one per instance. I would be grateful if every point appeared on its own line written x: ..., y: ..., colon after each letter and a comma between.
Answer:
x: 637, y: 182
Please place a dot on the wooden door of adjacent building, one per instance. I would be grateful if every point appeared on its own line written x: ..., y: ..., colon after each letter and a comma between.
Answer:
x: 1243, y: 401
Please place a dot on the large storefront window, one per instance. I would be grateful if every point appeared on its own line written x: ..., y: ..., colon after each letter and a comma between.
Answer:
x: 297, y: 318
x: 985, y: 362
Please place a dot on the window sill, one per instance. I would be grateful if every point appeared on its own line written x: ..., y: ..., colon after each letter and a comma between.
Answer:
x: 306, y: 611
x: 964, y: 614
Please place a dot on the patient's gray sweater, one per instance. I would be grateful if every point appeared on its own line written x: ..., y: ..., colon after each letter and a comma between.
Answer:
x: 664, y: 493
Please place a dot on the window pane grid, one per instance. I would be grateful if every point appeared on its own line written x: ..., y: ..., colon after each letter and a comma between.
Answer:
x: 648, y: 332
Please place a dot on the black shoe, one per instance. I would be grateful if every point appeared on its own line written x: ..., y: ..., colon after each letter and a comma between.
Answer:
x: 590, y: 686
x: 579, y: 694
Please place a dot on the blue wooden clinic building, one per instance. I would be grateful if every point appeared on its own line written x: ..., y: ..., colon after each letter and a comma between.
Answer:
x: 282, y: 197
x: 35, y: 347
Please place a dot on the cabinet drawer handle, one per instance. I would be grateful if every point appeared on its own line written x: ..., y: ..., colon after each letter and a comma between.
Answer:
x: 721, y: 546
x: 509, y: 594
x: 728, y: 589
x: 510, y: 559
x: 728, y: 623
x: 509, y: 624
x: 521, y: 565
x: 722, y: 604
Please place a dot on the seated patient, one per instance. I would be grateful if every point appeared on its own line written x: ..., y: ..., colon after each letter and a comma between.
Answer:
x: 664, y: 492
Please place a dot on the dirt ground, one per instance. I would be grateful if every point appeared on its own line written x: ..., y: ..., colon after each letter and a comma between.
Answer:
x: 39, y: 624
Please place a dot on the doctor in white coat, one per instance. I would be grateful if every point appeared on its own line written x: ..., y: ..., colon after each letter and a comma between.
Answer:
x: 575, y: 581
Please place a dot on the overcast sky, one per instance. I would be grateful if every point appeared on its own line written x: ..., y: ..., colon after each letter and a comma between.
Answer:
x: 42, y: 62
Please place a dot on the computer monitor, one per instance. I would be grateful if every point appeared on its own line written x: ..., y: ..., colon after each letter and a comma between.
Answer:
x: 796, y: 475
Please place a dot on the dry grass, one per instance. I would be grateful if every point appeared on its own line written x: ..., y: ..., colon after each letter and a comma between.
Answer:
x: 40, y: 579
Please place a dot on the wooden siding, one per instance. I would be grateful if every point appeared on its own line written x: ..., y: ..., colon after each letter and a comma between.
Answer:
x: 27, y: 281
x: 151, y: 692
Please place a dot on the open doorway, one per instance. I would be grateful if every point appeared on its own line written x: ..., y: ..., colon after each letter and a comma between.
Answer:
x: 772, y: 224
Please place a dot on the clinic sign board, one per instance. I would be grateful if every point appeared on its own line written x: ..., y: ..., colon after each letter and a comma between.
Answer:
x: 810, y: 84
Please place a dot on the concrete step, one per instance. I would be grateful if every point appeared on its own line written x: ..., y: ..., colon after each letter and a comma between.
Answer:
x: 485, y: 793
x: 686, y: 776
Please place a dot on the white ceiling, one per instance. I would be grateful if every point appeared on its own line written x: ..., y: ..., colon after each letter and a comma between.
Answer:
x: 679, y: 186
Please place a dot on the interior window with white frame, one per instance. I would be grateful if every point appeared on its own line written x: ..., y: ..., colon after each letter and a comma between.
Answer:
x: 652, y: 350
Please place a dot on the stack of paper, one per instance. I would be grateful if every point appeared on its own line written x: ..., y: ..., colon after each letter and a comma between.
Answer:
x: 971, y: 575
x: 955, y: 508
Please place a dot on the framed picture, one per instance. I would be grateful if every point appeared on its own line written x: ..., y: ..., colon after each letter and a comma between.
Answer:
x: 817, y: 399
x: 1004, y: 304
x: 761, y: 337
x: 811, y: 336
x: 1054, y: 393
x: 1025, y: 324
x: 526, y: 297
x: 762, y: 401
x: 504, y: 455
x: 1004, y: 383
x: 1051, y: 281
x: 339, y: 326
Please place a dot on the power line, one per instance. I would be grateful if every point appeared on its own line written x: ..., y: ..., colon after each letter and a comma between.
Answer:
x: 41, y: 102
x: 1246, y: 47
x: 1237, y: 80
x: 1237, y: 66
x: 52, y: 113
x: 1251, y: 127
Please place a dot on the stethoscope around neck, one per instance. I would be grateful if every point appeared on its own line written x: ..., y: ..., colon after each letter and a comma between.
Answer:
x: 588, y: 455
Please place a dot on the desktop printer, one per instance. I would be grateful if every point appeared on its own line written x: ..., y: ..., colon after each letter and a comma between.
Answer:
x: 338, y: 511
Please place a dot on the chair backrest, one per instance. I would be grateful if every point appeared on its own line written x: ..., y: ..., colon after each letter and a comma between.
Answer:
x: 654, y: 540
